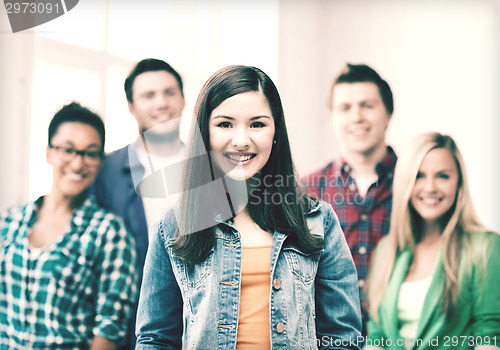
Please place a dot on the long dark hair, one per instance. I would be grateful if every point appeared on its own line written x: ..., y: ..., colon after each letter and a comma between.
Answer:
x: 201, y: 203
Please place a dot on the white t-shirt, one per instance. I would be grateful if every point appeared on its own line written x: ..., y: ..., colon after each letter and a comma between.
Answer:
x: 154, y: 207
x: 410, y: 304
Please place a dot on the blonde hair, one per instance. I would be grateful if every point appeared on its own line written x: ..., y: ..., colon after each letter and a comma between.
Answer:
x: 404, y: 222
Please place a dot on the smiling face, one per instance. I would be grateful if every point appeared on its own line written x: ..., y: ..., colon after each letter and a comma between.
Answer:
x: 72, y: 177
x: 436, y: 186
x: 157, y: 102
x: 360, y: 117
x: 241, y: 135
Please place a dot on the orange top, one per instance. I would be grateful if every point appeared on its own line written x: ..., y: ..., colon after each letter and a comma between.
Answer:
x: 253, y: 326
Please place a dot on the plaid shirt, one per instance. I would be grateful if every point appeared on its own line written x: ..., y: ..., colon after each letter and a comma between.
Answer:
x: 363, y: 220
x: 78, y: 287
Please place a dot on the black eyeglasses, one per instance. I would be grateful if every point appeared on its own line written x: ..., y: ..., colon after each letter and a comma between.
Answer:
x: 91, y: 158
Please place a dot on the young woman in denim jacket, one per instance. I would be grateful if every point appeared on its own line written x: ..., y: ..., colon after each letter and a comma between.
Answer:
x: 246, y: 261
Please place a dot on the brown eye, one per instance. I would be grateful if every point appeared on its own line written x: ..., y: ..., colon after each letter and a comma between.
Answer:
x: 224, y: 125
x: 93, y: 154
x: 67, y: 151
x: 258, y: 125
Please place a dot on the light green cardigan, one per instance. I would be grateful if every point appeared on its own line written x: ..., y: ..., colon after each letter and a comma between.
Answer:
x: 478, y: 307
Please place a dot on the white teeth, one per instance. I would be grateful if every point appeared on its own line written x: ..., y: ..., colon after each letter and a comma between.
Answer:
x: 431, y: 201
x: 358, y: 132
x: 162, y: 116
x: 74, y: 176
x: 239, y: 158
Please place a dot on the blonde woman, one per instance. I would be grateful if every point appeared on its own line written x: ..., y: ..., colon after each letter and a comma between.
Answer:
x: 434, y: 280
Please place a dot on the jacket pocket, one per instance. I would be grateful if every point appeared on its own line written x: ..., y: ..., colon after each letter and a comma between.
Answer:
x: 303, y: 265
x: 192, y: 275
x: 192, y: 280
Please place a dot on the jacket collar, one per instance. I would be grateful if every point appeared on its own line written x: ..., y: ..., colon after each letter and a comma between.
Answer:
x: 383, y: 168
x: 133, y: 165
x: 314, y: 206
x: 388, y: 309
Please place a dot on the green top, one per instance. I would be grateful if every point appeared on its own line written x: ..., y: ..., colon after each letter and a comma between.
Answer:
x: 476, y: 320
x: 76, y: 288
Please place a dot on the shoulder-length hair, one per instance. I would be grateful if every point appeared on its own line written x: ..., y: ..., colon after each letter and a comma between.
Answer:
x: 405, y: 222
x: 277, y: 179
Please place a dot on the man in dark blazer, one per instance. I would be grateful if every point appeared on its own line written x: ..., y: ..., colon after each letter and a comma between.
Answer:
x: 155, y: 98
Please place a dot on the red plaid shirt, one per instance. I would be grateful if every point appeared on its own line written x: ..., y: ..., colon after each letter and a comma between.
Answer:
x: 363, y: 220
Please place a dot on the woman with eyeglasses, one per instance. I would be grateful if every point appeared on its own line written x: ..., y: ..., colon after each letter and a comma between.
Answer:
x: 67, y: 267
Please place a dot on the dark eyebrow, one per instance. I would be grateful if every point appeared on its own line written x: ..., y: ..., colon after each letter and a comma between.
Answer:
x: 260, y: 116
x: 145, y: 92
x: 342, y: 104
x: 71, y: 144
x: 444, y: 171
x: 94, y: 145
x: 172, y: 88
x: 223, y: 117
x: 231, y: 118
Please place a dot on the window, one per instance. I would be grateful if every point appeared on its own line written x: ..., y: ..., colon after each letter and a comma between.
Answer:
x: 86, y: 54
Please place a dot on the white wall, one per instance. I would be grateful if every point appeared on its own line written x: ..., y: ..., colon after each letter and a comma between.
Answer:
x: 86, y: 55
x: 16, y: 64
x: 441, y: 59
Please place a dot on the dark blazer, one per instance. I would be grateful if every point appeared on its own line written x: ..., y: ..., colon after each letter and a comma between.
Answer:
x: 114, y: 190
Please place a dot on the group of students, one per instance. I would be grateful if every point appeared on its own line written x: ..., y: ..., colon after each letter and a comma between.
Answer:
x: 222, y: 267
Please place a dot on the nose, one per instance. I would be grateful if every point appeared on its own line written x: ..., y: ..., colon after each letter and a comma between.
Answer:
x: 356, y: 114
x: 241, y: 139
x: 162, y: 101
x: 77, y: 162
x: 429, y: 185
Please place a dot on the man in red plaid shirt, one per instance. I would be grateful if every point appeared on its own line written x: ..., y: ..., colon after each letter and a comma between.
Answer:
x: 359, y: 184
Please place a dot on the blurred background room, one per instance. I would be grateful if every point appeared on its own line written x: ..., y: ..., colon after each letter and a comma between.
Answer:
x: 441, y: 59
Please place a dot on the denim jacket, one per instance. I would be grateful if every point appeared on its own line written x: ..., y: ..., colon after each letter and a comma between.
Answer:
x: 316, y: 305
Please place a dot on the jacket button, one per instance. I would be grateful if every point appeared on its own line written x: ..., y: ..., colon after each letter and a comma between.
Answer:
x: 363, y: 217
x: 277, y: 284
x: 362, y: 250
x: 361, y: 283
x: 280, y: 327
